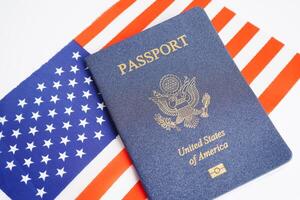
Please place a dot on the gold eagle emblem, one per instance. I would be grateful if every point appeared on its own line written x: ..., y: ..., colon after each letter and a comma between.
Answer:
x: 179, y: 100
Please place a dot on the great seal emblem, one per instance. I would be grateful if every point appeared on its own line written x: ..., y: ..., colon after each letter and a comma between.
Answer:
x: 179, y: 99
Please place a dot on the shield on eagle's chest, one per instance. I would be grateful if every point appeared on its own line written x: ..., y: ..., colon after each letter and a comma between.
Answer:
x: 179, y: 100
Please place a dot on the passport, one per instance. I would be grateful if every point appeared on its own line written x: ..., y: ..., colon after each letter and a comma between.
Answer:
x: 191, y: 124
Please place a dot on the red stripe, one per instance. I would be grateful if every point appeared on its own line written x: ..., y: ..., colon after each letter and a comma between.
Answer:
x: 142, y: 21
x: 106, y: 177
x: 281, y: 85
x: 197, y: 3
x: 261, y: 59
x: 222, y: 18
x: 136, y: 193
x: 236, y: 44
x: 105, y: 19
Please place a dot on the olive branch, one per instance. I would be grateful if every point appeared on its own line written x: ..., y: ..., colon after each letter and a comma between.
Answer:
x: 165, y: 122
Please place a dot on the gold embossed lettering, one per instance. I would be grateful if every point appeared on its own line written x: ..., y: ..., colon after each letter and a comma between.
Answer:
x: 153, y: 54
x: 132, y: 65
x: 141, y: 60
x: 149, y: 57
x: 183, y: 39
x: 174, y: 45
x: 165, y: 49
x: 122, y: 68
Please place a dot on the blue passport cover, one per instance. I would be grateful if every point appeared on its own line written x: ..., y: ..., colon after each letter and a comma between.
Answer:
x: 191, y: 124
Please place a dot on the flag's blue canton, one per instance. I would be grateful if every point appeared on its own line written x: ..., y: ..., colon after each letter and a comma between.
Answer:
x: 51, y: 126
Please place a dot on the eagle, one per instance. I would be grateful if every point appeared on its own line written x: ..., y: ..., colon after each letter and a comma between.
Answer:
x: 182, y: 103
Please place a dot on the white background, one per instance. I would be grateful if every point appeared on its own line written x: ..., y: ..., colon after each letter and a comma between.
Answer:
x: 32, y: 31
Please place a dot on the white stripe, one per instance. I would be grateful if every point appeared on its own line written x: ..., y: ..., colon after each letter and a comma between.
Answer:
x: 174, y: 9
x: 117, y: 25
x: 251, y: 49
x: 231, y: 28
x: 285, y: 117
x: 269, y: 73
x: 288, y: 126
x: 81, y: 181
x: 3, y: 196
x: 122, y: 185
x: 213, y: 8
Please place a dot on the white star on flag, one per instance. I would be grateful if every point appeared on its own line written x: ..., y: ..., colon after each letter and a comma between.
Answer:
x: 54, y: 99
x: 38, y: 101
x: 70, y: 96
x: 22, y: 103
x: 28, y: 162
x: 33, y: 130
x: 83, y: 122
x: 52, y: 113
x: 30, y: 146
x: 76, y: 55
x: 63, y: 156
x: 64, y: 140
x: 81, y: 137
x: 74, y: 69
x: 19, y: 118
x: 41, y: 87
x: 43, y: 175
x: 59, y: 71
x: 16, y: 133
x: 1, y: 135
x: 98, y: 134
x: 41, y: 192
x: 88, y: 80
x: 35, y: 115
x: 66, y: 125
x: 72, y: 82
x: 13, y: 149
x: 47, y: 143
x: 68, y: 111
x: 86, y: 94
x: 100, y: 120
x: 25, y: 178
x: 45, y: 159
x: 101, y: 105
x: 3, y: 120
x: 56, y: 84
x: 10, y: 165
x: 61, y: 172
x: 80, y: 153
x: 49, y: 128
x: 85, y: 108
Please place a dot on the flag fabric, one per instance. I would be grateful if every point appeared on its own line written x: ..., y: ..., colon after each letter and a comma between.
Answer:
x: 52, y: 126
x: 56, y: 138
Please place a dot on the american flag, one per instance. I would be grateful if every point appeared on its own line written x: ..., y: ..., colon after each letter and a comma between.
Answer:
x: 57, y: 140
x: 52, y: 126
